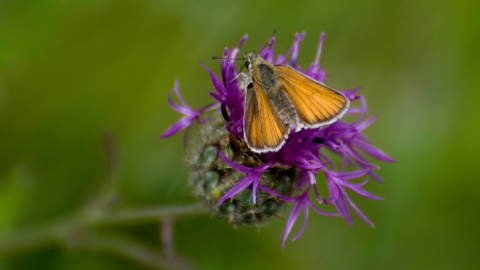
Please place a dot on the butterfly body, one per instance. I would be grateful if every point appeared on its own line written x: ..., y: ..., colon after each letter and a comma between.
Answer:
x: 279, y: 98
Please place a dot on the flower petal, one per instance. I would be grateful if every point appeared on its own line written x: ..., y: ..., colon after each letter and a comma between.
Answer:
x: 363, y: 216
x: 341, y: 205
x: 275, y: 193
x: 291, y: 221
x: 304, y: 225
x: 234, y: 165
x: 177, y: 126
x: 321, y: 212
x: 238, y: 187
x: 216, y: 81
x: 373, y: 151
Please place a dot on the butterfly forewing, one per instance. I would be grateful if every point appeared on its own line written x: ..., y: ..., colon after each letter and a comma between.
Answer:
x: 263, y: 122
x: 251, y: 121
x: 315, y: 103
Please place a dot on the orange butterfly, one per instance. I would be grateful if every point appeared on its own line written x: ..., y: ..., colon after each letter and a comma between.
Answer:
x: 279, y: 98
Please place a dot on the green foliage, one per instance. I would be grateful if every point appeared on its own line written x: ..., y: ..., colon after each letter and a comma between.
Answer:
x: 69, y: 70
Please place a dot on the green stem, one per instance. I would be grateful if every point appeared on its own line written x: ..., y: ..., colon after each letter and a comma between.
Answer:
x: 58, y: 232
x: 151, y: 214
x: 30, y: 238
x: 131, y: 250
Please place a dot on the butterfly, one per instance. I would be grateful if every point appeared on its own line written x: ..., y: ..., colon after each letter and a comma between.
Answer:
x: 279, y: 98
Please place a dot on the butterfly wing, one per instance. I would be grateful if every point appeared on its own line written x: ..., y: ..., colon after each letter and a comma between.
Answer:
x: 316, y: 104
x: 264, y: 131
x: 251, y: 121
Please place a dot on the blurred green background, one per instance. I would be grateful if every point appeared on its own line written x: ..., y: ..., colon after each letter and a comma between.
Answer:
x: 69, y: 70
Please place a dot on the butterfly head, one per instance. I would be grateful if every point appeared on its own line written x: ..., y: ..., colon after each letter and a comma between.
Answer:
x: 249, y: 59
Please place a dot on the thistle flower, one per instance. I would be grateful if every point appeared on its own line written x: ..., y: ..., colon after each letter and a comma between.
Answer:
x: 248, y: 188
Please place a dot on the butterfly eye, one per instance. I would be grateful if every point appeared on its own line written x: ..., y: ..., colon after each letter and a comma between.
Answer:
x: 247, y: 63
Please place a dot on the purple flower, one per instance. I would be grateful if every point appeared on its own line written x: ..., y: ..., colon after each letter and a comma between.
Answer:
x: 304, y: 150
x: 190, y: 114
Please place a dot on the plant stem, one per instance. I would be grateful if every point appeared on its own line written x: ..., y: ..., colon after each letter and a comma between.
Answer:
x: 57, y: 232
x: 131, y: 250
x: 151, y: 214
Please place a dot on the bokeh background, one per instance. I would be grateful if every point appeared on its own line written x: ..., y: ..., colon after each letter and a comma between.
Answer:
x: 73, y: 70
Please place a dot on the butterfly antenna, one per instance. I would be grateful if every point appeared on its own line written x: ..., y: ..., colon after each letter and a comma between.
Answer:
x: 269, y: 40
x: 224, y: 58
x: 240, y: 71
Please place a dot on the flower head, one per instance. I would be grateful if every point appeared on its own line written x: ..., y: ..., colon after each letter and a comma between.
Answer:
x: 248, y: 188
